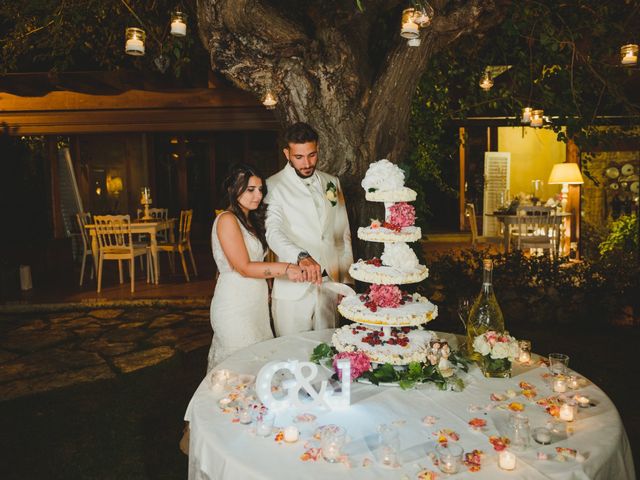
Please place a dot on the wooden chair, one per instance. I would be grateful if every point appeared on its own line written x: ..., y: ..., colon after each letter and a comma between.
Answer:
x: 183, y: 244
x: 536, y: 228
x: 470, y: 213
x: 84, y: 219
x: 116, y: 243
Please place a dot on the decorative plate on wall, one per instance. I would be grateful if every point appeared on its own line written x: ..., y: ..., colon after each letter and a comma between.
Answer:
x: 612, y: 172
x: 627, y: 169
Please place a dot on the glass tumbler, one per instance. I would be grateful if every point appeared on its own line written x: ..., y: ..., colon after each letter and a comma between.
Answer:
x: 389, y: 445
x: 519, y: 431
x: 449, y: 457
x: 332, y: 439
x: 558, y: 363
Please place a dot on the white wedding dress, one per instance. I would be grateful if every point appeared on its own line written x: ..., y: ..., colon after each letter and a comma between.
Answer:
x: 240, y: 305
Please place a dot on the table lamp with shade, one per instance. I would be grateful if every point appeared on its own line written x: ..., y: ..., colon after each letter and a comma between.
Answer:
x: 565, y: 174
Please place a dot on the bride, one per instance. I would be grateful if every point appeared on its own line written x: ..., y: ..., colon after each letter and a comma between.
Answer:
x: 239, y: 308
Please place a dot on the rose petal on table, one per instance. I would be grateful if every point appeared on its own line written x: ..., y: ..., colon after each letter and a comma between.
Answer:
x: 526, y: 386
x: 426, y: 475
x: 499, y: 443
x: 311, y: 454
x: 497, y: 397
x: 279, y: 436
x: 429, y: 420
x: 529, y: 394
x: 542, y: 456
x: 477, y: 423
x: 367, y: 462
x: 516, y: 407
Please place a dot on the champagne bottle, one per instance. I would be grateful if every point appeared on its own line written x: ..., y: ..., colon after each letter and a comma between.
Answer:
x: 485, y: 313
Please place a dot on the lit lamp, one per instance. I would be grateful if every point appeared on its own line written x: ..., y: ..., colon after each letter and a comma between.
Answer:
x: 565, y: 174
x: 178, y: 24
x: 409, y: 26
x: 114, y: 186
x: 486, y: 82
x: 537, y: 118
x: 269, y: 101
x: 629, y: 55
x: 134, y: 41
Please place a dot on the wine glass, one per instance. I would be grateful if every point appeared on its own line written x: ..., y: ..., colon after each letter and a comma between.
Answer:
x: 464, y: 308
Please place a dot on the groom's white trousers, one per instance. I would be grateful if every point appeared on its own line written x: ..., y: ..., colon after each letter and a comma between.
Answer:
x: 316, y: 310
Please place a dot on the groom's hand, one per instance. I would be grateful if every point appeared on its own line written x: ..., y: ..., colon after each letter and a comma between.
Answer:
x: 311, y: 271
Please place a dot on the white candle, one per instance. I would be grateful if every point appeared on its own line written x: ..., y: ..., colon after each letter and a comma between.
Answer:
x: 566, y: 412
x: 525, y: 357
x: 526, y: 115
x: 559, y: 385
x: 582, y: 401
x: 409, y: 30
x: 536, y: 122
x: 245, y: 416
x: 178, y: 28
x: 135, y: 45
x: 331, y: 452
x: 291, y: 434
x: 506, y: 460
x: 543, y: 436
x: 629, y: 58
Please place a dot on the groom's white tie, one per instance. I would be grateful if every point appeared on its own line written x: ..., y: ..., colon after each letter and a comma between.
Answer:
x: 317, y: 196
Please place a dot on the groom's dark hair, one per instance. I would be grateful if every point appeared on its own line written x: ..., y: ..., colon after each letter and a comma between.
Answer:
x: 300, y: 132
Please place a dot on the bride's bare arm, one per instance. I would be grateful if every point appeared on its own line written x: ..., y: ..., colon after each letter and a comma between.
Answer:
x: 232, y: 242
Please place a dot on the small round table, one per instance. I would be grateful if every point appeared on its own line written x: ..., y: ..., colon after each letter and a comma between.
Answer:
x: 221, y: 449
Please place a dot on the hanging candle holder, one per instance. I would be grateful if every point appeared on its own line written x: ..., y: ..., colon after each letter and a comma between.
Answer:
x: 135, y: 38
x: 537, y: 119
x: 526, y: 115
x: 629, y: 55
x: 269, y: 100
x: 178, y: 24
x: 486, y: 82
x: 423, y: 14
x: 410, y: 28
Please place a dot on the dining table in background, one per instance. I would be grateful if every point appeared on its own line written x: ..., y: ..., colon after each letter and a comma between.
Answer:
x: 145, y: 227
x: 509, y: 220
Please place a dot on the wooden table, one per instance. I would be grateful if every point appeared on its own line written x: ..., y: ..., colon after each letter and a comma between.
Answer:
x: 151, y: 228
x: 509, y: 220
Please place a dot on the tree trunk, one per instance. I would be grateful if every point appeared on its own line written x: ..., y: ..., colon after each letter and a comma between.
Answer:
x: 317, y: 63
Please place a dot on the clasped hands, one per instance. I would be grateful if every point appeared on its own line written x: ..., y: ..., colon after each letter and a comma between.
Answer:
x: 307, y: 270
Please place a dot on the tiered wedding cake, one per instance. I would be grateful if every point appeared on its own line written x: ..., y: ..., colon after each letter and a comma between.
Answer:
x: 389, y: 320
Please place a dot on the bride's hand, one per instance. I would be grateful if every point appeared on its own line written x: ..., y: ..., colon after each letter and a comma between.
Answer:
x: 294, y: 273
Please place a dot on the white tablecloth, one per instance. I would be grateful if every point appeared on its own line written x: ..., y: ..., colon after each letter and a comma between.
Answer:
x: 220, y: 449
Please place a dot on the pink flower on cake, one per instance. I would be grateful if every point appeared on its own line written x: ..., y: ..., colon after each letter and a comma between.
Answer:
x: 385, y: 295
x: 360, y: 363
x: 402, y: 214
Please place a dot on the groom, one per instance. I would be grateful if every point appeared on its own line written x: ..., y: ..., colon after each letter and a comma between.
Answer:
x: 307, y: 225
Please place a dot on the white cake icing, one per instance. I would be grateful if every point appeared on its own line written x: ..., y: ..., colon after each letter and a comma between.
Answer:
x: 383, y: 175
x: 400, y: 255
x: 350, y: 339
x: 418, y: 311
x: 382, y: 234
x: 403, y: 194
x: 386, y: 275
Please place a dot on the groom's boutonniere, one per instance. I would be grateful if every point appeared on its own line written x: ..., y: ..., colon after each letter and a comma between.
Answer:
x: 331, y: 193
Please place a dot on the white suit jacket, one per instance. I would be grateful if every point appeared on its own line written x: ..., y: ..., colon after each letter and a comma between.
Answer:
x: 293, y: 225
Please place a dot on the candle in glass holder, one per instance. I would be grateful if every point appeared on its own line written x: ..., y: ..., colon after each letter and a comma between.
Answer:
x: 583, y: 401
x: 567, y: 412
x: 291, y: 434
x: 559, y: 384
x: 525, y: 351
x: 542, y: 435
x: 244, y: 416
x: 506, y: 460
x: 573, y: 382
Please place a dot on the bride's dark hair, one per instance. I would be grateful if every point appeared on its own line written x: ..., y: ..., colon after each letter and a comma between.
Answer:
x: 235, y: 185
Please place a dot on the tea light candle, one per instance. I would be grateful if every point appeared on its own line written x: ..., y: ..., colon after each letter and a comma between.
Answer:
x: 566, y: 412
x: 583, y: 401
x: 543, y: 436
x: 245, y: 416
x: 559, y: 385
x: 449, y: 467
x: 573, y: 382
x: 263, y: 429
x: 331, y: 452
x: 291, y: 434
x: 178, y: 28
x: 506, y: 460
x: 135, y: 46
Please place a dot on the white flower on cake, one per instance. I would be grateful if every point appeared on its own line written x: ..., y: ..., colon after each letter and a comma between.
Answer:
x: 383, y: 175
x: 400, y: 256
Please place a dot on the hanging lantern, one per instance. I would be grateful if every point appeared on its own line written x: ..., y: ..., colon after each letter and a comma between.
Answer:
x: 526, y: 115
x: 269, y: 100
x: 537, y: 118
x: 414, y: 42
x: 134, y: 41
x: 486, y: 82
x: 423, y: 14
x: 409, y: 27
x: 178, y: 24
x: 629, y: 55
